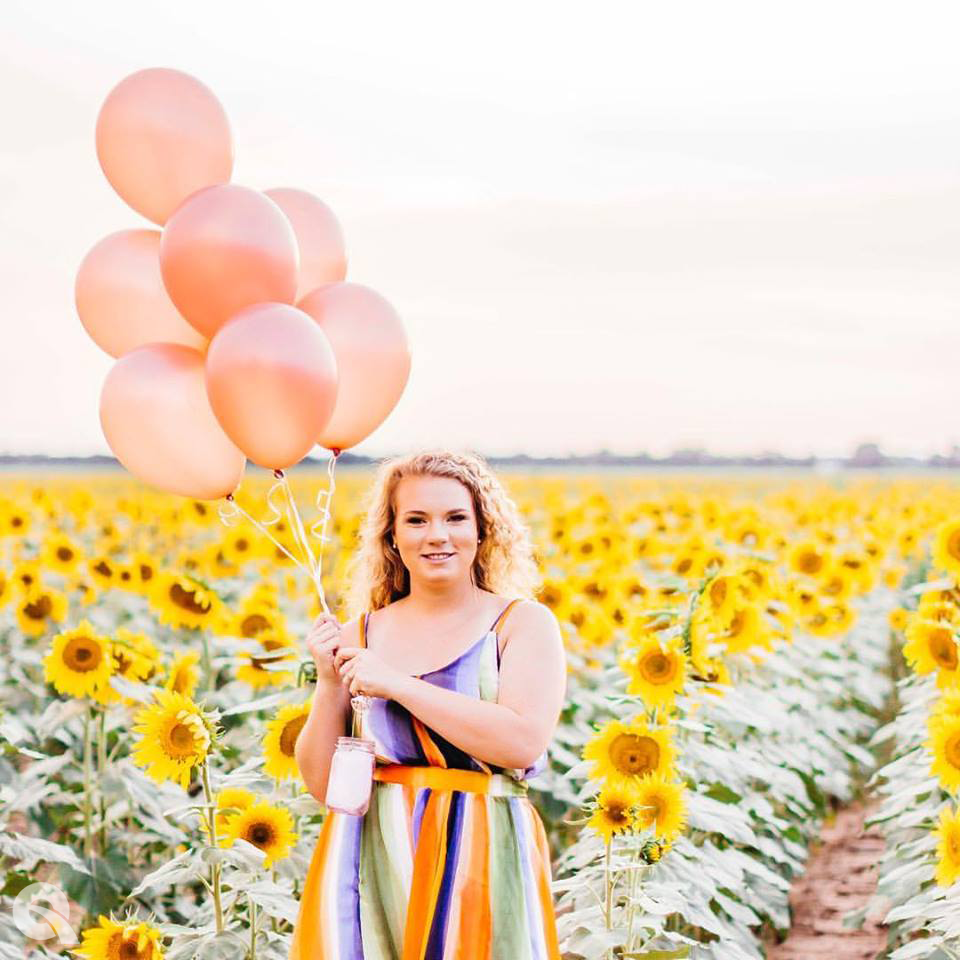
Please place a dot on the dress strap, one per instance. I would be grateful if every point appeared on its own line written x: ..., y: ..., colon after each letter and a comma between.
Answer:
x: 363, y: 629
x: 504, y: 613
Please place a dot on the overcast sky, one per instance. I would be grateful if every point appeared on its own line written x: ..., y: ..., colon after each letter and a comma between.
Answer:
x: 632, y: 226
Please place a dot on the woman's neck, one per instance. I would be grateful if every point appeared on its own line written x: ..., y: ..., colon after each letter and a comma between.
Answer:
x: 440, y: 599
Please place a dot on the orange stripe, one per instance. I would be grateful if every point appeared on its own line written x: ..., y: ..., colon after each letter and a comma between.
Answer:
x: 542, y: 868
x: 436, y: 778
x: 431, y: 751
x: 428, y: 869
x: 506, y: 611
x: 475, y: 936
x: 307, y: 943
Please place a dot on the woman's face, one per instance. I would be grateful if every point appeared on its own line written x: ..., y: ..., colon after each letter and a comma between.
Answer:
x: 435, y: 528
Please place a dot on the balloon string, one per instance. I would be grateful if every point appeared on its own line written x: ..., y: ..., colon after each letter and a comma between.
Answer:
x: 232, y: 510
x: 296, y: 526
x: 323, y: 501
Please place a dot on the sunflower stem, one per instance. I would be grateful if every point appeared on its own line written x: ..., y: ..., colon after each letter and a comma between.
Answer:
x: 87, y: 836
x: 101, y: 771
x: 253, y: 927
x: 634, y: 884
x: 207, y: 665
x: 212, y: 828
x: 608, y: 878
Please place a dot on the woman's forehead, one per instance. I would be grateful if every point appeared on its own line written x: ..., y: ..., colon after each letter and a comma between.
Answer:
x: 431, y: 494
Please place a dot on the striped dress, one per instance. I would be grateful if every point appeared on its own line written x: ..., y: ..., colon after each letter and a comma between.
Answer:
x: 450, y: 861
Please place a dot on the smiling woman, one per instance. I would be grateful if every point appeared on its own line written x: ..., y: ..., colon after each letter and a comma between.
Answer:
x: 464, y: 677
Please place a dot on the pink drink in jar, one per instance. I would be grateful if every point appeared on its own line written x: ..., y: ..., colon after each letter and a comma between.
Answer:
x: 351, y: 776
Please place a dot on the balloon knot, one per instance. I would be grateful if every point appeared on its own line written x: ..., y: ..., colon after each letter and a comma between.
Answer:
x: 278, y: 474
x: 336, y: 451
x: 229, y: 497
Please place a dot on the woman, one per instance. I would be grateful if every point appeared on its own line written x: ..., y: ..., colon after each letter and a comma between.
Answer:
x: 466, y: 676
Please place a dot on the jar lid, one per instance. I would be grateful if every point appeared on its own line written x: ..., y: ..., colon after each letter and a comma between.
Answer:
x: 355, y: 743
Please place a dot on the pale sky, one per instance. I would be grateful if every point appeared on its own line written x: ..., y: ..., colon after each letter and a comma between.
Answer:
x: 632, y: 225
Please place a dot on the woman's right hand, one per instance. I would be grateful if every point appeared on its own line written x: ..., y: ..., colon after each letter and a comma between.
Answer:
x: 323, y: 641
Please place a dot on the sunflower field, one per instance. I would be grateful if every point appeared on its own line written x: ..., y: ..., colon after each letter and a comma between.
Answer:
x: 746, y: 653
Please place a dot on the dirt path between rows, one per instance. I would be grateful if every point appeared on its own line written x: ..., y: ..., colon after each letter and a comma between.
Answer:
x: 840, y: 877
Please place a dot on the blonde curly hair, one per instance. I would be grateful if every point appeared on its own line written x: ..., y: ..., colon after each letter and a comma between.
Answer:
x: 505, y: 562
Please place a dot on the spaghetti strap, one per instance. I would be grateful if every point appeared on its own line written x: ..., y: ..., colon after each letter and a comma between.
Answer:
x: 503, y: 614
x: 363, y: 629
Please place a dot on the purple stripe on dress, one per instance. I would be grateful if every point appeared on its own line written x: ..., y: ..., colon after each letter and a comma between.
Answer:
x: 419, y: 805
x: 441, y: 913
x: 531, y: 895
x: 348, y: 899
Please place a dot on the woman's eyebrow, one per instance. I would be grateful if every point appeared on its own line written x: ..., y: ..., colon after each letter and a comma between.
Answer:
x: 407, y: 513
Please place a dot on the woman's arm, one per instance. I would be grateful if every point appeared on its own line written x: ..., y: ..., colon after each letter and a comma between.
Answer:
x: 327, y: 720
x: 512, y: 732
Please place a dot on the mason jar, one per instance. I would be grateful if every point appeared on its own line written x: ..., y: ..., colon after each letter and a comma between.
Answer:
x: 351, y: 776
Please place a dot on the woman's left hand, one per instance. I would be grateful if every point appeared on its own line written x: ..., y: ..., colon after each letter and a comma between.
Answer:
x: 363, y: 672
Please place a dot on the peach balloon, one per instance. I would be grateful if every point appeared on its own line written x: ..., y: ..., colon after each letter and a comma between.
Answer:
x: 158, y: 422
x: 227, y: 248
x: 323, y: 258
x: 272, y: 381
x: 121, y: 299
x: 161, y: 135
x: 373, y: 358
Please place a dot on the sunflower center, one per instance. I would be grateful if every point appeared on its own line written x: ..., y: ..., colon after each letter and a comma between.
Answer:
x: 951, y: 751
x: 943, y: 648
x: 633, y: 755
x: 953, y: 545
x: 718, y: 592
x: 657, y: 667
x: 103, y: 568
x: 39, y: 609
x: 146, y: 572
x: 809, y: 562
x: 617, y: 814
x: 182, y: 740
x: 260, y: 834
x: 253, y: 624
x: 82, y: 655
x: 288, y: 738
x: 130, y: 950
x: 187, y: 600
x: 737, y: 624
x: 64, y: 553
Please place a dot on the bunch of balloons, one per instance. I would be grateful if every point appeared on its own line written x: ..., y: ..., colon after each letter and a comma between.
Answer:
x: 235, y: 333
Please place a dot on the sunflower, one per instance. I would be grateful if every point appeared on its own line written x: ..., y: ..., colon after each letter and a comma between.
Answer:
x: 120, y: 941
x: 948, y: 847
x: 946, y: 547
x: 145, y: 571
x: 745, y: 630
x: 616, y: 811
x: 60, y: 553
x: 103, y: 570
x: 184, y: 676
x: 898, y: 618
x: 40, y: 609
x: 135, y: 658
x: 661, y: 805
x: 176, y: 736
x: 722, y: 594
x: 281, y: 739
x: 624, y: 752
x: 230, y: 802
x: 944, y: 743
x: 836, y: 584
x: 181, y: 601
x: 79, y: 663
x: 265, y: 826
x: 263, y: 669
x: 931, y: 645
x: 238, y: 546
x: 807, y: 558
x: 26, y: 575
x: 656, y: 671
x: 256, y: 618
